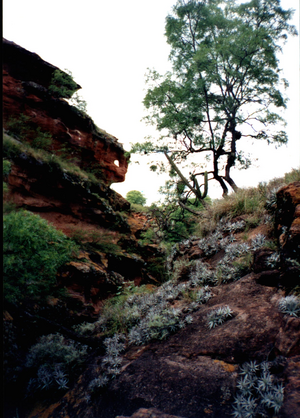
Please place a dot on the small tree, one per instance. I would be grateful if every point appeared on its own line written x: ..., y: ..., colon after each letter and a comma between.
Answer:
x: 224, y: 88
x: 136, y: 197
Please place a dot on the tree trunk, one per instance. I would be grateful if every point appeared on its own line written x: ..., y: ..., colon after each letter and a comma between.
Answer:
x: 217, y: 177
x: 231, y: 160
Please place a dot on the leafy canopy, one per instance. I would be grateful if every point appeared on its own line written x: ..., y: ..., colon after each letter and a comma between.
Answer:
x: 224, y: 88
x: 136, y: 197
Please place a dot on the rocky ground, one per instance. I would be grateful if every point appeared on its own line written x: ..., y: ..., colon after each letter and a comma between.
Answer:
x: 196, y: 371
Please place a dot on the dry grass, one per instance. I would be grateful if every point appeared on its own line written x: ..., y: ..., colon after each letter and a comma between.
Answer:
x: 249, y: 201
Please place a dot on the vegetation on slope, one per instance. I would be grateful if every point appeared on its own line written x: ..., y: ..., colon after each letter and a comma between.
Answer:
x: 34, y: 251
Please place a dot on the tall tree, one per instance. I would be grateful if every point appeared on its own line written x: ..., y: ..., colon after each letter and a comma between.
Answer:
x: 225, y: 87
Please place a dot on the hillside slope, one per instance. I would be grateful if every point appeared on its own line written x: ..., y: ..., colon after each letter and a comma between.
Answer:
x: 99, y: 324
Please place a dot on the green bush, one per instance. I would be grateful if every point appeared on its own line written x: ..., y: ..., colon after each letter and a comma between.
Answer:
x: 6, y: 168
x: 62, y: 85
x: 41, y: 140
x: 33, y: 250
x: 18, y: 126
x: 23, y: 129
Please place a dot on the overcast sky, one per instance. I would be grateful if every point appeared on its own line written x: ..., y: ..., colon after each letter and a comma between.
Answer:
x: 108, y: 46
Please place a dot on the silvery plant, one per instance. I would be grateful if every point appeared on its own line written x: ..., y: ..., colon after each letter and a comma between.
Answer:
x: 259, y: 394
x: 258, y: 242
x: 273, y: 260
x: 110, y: 364
x: 290, y: 305
x: 225, y: 226
x: 218, y: 316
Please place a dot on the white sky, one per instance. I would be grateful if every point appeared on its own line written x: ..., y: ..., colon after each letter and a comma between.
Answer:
x: 108, y: 46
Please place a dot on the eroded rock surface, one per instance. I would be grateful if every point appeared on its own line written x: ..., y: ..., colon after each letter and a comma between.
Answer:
x: 26, y: 78
x: 194, y: 373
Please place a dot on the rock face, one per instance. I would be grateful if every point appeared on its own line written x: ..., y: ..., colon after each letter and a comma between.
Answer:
x: 26, y: 79
x: 70, y: 201
x: 288, y: 231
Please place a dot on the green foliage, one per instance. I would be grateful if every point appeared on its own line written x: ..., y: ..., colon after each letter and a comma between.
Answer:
x: 33, y: 250
x: 139, y: 208
x: 117, y: 315
x: 172, y: 222
x: 101, y: 240
x: 146, y: 315
x: 54, y: 360
x: 18, y: 126
x: 56, y: 164
x: 24, y: 129
x: 41, y: 140
x: 136, y: 197
x: 249, y: 201
x: 6, y: 168
x: 62, y: 85
x: 224, y: 87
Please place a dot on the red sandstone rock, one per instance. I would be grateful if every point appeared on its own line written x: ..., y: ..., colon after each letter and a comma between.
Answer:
x: 288, y: 218
x: 25, y: 93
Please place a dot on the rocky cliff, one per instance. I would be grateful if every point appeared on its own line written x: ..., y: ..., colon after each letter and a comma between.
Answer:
x: 61, y: 167
x: 212, y: 330
x: 26, y: 81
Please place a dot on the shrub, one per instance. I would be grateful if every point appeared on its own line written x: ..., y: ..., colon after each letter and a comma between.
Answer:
x: 18, y: 126
x: 33, y: 251
x: 6, y: 168
x: 55, y: 360
x: 41, y: 140
x: 24, y: 129
x: 6, y: 171
x: 62, y: 85
x: 249, y: 201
